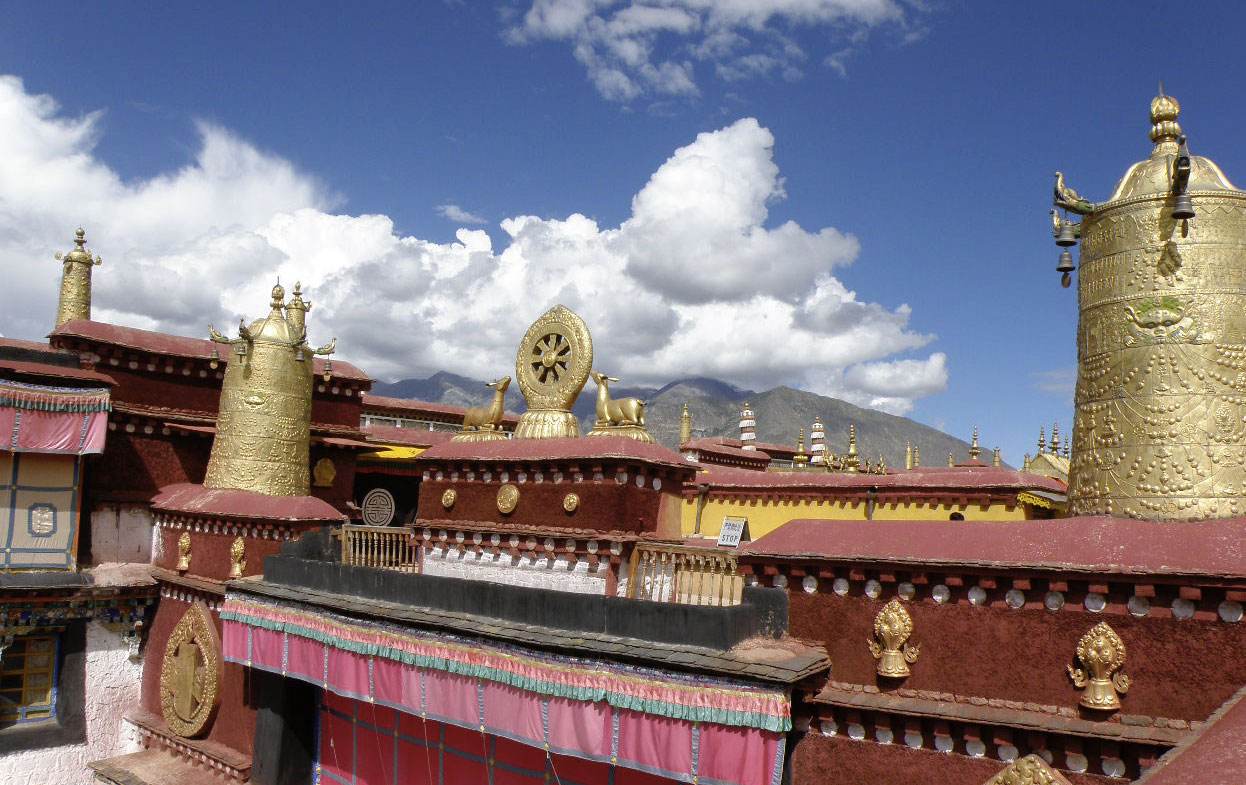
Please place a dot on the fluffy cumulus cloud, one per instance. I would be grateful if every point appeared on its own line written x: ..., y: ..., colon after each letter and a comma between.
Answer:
x: 694, y: 282
x: 657, y: 48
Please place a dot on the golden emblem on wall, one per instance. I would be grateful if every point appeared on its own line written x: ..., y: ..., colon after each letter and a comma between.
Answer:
x: 190, y: 675
x: 1102, y: 653
x: 893, y: 626
x: 324, y: 473
x: 552, y: 366
x: 571, y: 502
x: 237, y: 557
x: 508, y: 498
x: 449, y: 498
x: 183, y: 552
x: 618, y: 417
x: 484, y: 423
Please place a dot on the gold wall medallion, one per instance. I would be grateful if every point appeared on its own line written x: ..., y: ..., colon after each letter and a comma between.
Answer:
x: 190, y: 675
x: 1161, y: 341
x: 1102, y: 654
x: 552, y: 366
x: 571, y: 502
x: 324, y: 473
x: 508, y: 498
x: 237, y: 557
x: 449, y: 498
x: 183, y: 552
x: 1030, y: 770
x: 263, y: 426
x: 893, y: 626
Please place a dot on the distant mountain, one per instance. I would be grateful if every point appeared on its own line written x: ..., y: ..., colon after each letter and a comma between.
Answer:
x: 715, y: 408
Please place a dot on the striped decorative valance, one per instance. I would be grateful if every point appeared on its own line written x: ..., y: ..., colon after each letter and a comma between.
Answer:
x: 53, y: 420
x: 39, y: 398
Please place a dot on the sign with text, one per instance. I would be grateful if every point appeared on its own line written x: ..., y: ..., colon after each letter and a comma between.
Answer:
x: 732, y: 531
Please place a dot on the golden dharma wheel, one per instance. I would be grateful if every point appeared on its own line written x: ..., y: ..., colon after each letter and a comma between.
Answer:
x: 552, y: 366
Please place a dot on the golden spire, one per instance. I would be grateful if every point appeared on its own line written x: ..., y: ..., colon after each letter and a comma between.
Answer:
x: 851, y: 462
x: 908, y: 455
x: 75, y: 298
x: 1165, y: 131
x: 263, y: 426
x: 917, y: 457
x: 297, y: 310
x: 1055, y: 438
x: 974, y: 449
x: 1042, y: 440
x: 996, y: 460
x: 801, y: 457
x: 685, y: 426
x: 951, y: 462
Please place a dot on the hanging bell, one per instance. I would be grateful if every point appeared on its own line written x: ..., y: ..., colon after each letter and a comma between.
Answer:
x: 240, y: 348
x: 1065, y: 268
x: 1182, y: 208
x: 214, y: 361
x: 1066, y: 238
x: 328, y: 371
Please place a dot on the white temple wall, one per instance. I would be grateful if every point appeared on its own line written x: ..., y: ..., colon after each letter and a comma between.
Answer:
x: 560, y: 574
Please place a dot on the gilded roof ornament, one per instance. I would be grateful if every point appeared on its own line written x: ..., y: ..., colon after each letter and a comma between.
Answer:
x: 852, y: 463
x: 618, y: 417
x: 908, y: 455
x: 484, y: 423
x: 685, y: 425
x: 190, y: 674
x: 974, y: 449
x: 1102, y: 655
x: 237, y: 557
x: 552, y: 365
x: 1030, y: 770
x: 893, y: 626
x: 75, y: 295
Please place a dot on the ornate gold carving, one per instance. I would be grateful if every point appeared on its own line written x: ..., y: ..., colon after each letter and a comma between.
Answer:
x: 262, y: 430
x: 75, y: 299
x: 1102, y: 653
x: 893, y: 626
x: 183, y: 552
x: 190, y: 674
x: 508, y: 498
x: 449, y: 498
x: 1159, y: 431
x: 571, y: 502
x: 551, y: 366
x: 324, y: 473
x: 237, y: 557
x: 484, y: 423
x: 1030, y: 770
x: 622, y: 417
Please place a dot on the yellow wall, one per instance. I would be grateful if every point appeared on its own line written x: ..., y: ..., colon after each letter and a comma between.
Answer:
x: 766, y: 516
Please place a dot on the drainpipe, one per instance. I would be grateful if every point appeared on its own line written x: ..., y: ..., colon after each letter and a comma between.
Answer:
x: 870, y: 497
x: 702, y: 491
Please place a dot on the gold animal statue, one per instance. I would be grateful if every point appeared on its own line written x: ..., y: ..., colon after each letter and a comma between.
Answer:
x: 624, y: 411
x: 488, y: 418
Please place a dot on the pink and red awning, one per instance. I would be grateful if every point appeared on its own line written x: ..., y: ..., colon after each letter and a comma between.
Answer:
x: 677, y: 726
x: 56, y: 420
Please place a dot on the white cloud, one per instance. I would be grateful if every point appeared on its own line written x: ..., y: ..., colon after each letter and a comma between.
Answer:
x: 692, y: 283
x: 632, y: 48
x: 457, y: 214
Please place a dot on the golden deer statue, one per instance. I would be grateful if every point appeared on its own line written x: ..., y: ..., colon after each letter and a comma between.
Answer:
x: 624, y: 411
x: 488, y: 418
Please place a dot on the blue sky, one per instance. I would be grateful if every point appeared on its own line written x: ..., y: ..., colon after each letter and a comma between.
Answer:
x: 928, y: 133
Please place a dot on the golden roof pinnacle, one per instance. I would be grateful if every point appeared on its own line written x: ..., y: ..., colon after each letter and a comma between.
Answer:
x: 974, y: 449
x: 1164, y: 112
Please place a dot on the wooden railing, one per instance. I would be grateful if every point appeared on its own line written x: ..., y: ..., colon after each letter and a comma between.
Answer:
x: 690, y: 576
x: 381, y: 547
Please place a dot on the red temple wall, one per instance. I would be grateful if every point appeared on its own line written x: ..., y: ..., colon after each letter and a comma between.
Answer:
x: 136, y: 465
x: 209, y: 552
x: 1179, y: 669
x: 234, y: 724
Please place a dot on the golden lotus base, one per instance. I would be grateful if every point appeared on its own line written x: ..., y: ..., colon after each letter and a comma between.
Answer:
x: 1100, y: 695
x: 478, y: 435
x: 892, y: 665
x: 636, y: 432
x: 547, y: 424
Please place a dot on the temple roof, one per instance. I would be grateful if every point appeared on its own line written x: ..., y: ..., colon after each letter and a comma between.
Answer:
x: 194, y: 499
x: 583, y: 449
x: 172, y: 345
x: 1093, y: 544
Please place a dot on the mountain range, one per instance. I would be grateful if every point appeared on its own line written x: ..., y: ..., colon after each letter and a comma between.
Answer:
x: 715, y: 406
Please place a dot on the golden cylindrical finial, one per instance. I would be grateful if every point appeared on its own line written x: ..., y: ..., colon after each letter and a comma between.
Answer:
x: 908, y: 455
x: 852, y: 462
x: 996, y: 460
x: 685, y: 426
x: 917, y: 457
x: 75, y: 297
x: 263, y: 428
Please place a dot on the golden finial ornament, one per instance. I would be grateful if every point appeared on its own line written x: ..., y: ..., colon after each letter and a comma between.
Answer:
x: 1161, y: 326
x: 893, y: 626
x: 996, y: 460
x: 618, y: 416
x: 852, y: 463
x: 237, y: 557
x: 484, y: 423
x: 1055, y: 438
x: 1030, y: 770
x: 908, y: 455
x: 685, y: 425
x: 1042, y: 440
x: 552, y: 366
x: 951, y: 460
x: 183, y: 552
x: 917, y: 457
x: 974, y: 449
x: 262, y: 429
x: 801, y: 458
x: 75, y: 297
x: 324, y: 473
x: 1102, y: 655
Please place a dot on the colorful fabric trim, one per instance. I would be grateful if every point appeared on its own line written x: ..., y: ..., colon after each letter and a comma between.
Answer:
x: 665, y: 694
x: 40, y: 398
